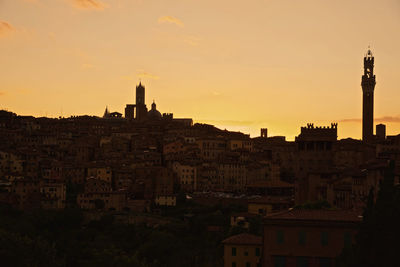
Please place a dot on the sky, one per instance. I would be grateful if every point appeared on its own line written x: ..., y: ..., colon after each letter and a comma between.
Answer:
x: 240, y: 65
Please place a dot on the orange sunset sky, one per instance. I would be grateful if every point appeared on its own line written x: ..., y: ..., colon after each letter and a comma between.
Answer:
x: 240, y: 65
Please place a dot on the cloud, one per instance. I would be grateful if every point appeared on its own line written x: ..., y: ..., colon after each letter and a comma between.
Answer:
x: 147, y: 75
x: 5, y: 28
x: 230, y: 122
x: 170, y: 19
x: 380, y: 120
x: 388, y: 119
x: 87, y: 66
x: 141, y: 75
x: 88, y: 4
x: 191, y: 40
x: 350, y: 120
x: 215, y: 93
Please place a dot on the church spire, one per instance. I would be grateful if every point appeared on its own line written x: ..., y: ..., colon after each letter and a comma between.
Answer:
x: 106, y: 113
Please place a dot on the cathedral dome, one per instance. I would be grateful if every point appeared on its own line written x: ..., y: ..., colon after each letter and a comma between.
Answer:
x: 154, y: 114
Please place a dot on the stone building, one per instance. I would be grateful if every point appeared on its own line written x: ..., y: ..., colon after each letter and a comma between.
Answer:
x: 301, y: 237
x: 242, y: 250
x: 315, y: 147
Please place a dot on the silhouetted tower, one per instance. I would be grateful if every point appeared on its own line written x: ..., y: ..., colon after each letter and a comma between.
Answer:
x: 381, y: 131
x: 264, y: 132
x: 141, y: 109
x: 368, y: 86
x: 106, y: 113
x: 140, y: 94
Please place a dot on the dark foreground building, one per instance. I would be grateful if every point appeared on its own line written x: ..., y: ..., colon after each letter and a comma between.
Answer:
x: 307, y: 238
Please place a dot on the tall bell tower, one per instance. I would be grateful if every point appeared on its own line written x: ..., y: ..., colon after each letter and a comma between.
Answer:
x: 141, y: 109
x: 368, y: 86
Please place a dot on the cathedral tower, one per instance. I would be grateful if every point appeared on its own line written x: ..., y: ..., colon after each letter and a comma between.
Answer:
x: 368, y: 86
x: 140, y: 94
x: 141, y: 109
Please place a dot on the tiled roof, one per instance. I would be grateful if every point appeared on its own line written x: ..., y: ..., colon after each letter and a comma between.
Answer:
x: 243, y: 239
x: 317, y: 215
x: 270, y: 200
x: 244, y: 214
x: 277, y: 183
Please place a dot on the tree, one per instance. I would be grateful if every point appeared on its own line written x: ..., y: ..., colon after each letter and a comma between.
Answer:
x: 18, y: 250
x: 377, y: 239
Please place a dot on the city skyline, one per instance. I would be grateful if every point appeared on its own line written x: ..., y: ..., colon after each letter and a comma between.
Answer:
x: 241, y: 65
x: 220, y: 133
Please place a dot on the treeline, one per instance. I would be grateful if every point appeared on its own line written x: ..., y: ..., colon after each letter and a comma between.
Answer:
x: 66, y: 238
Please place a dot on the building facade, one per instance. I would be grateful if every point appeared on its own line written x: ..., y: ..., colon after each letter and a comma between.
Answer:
x: 242, y: 250
x: 300, y: 237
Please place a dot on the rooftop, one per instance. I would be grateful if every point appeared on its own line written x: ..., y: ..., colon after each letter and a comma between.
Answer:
x: 243, y: 239
x: 317, y: 215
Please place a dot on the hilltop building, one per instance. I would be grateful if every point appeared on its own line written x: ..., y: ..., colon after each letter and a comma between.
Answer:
x: 153, y: 113
x: 108, y: 114
x: 139, y: 112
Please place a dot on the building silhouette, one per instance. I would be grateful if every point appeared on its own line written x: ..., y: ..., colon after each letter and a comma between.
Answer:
x: 141, y: 109
x: 130, y: 111
x: 153, y: 113
x: 381, y: 131
x: 264, y: 132
x: 138, y: 110
x: 108, y: 114
x: 368, y: 85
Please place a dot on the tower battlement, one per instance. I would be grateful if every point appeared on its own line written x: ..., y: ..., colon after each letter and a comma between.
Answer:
x: 310, y: 127
x: 311, y: 132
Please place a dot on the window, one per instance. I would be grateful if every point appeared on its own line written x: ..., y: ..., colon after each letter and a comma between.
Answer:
x: 279, y: 261
x: 280, y: 238
x: 324, y: 238
x: 302, y: 238
x: 302, y: 262
x: 233, y: 264
x: 347, y: 239
x: 248, y: 264
x: 258, y: 252
x: 246, y: 253
x: 233, y: 251
x: 325, y: 262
